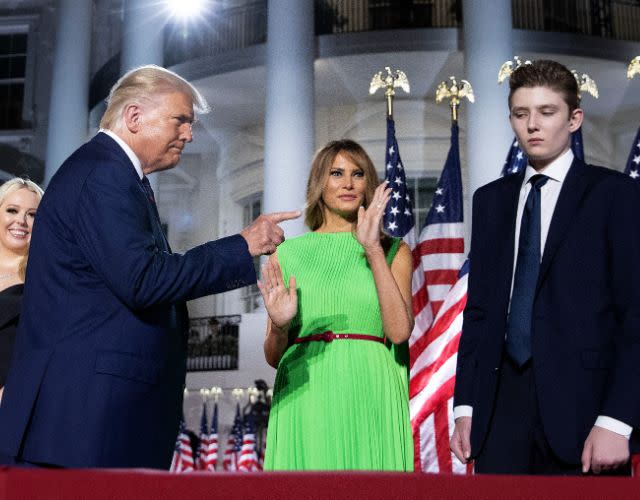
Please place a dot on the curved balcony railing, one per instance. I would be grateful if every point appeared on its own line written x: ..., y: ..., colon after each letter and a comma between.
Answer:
x: 243, y: 26
x: 246, y: 25
x: 617, y: 19
x: 213, y: 343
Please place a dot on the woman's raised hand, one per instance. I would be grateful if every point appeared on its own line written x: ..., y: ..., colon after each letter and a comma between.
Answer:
x: 281, y: 302
x: 369, y: 220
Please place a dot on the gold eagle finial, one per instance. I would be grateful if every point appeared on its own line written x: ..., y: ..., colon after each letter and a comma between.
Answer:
x: 508, y: 67
x: 634, y: 67
x: 585, y: 84
x: 389, y: 81
x: 454, y: 92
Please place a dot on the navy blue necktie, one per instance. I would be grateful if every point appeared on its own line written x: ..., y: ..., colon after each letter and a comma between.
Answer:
x: 149, y: 190
x: 160, y: 237
x: 526, y: 276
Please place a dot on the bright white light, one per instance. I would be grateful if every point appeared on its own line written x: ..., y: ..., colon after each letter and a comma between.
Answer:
x: 186, y: 8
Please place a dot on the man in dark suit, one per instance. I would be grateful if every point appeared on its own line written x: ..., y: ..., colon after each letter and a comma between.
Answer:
x: 547, y: 378
x: 99, y: 366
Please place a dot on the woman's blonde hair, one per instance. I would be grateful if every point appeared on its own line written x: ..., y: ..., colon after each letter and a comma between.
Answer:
x: 144, y: 83
x: 11, y: 186
x: 320, y: 168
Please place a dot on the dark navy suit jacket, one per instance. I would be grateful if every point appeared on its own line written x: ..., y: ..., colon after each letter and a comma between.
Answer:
x: 586, y: 317
x: 99, y: 366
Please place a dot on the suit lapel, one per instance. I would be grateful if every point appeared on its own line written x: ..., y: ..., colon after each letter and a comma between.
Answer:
x: 507, y: 222
x: 569, y: 201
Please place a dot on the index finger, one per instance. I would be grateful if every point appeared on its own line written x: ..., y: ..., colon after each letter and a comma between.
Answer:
x: 282, y: 216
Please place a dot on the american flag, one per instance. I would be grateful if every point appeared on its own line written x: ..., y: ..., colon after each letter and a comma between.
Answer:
x: 398, y: 216
x: 183, y: 452
x: 248, y: 461
x: 439, y: 296
x: 633, y: 163
x: 261, y: 458
x: 208, y: 449
x: 204, y: 438
x: 234, y: 444
x: 211, y: 462
x: 517, y: 159
x: 577, y: 146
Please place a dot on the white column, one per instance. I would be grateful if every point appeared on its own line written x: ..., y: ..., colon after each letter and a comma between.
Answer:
x: 142, y: 34
x: 487, y: 29
x: 142, y: 43
x: 69, y: 106
x: 289, y: 115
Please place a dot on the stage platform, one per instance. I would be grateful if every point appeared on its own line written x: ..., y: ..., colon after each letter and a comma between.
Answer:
x: 18, y: 484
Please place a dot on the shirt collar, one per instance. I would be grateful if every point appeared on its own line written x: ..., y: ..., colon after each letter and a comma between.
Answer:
x: 125, y: 147
x: 557, y: 170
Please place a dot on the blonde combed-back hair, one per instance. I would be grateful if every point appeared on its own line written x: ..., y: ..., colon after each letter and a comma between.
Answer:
x: 144, y: 83
x: 320, y: 168
x: 11, y: 186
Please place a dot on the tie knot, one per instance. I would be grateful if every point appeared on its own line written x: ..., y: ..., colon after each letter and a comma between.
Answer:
x: 538, y: 180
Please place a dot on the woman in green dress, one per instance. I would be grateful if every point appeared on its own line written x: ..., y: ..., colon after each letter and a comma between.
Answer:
x: 340, y: 398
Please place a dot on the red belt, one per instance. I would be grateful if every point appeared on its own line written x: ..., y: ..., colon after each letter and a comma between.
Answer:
x: 330, y: 336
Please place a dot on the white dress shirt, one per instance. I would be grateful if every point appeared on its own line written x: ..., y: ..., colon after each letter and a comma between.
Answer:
x: 125, y: 147
x: 549, y: 193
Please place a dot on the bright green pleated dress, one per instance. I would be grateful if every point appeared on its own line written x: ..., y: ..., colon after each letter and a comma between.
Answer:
x: 340, y: 405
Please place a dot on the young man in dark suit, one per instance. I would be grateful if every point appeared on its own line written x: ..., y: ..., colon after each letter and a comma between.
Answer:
x: 100, y: 359
x: 547, y: 378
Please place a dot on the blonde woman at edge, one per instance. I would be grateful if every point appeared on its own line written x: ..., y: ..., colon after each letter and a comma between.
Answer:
x: 340, y: 399
x: 19, y: 199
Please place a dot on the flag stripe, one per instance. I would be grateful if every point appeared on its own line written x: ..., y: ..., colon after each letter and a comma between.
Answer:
x: 420, y: 380
x: 441, y: 245
x: 441, y: 424
x: 430, y: 405
x: 452, y: 316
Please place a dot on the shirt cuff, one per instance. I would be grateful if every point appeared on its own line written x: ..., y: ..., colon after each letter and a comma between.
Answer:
x: 462, y: 411
x: 613, y: 425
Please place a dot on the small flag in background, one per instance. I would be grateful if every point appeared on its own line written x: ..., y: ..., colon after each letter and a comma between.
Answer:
x: 204, y: 438
x: 248, y: 461
x: 183, y: 453
x: 632, y: 168
x: 398, y: 216
x: 234, y: 444
x: 211, y: 462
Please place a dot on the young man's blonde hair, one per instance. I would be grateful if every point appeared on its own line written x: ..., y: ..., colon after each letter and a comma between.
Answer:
x: 144, y: 83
